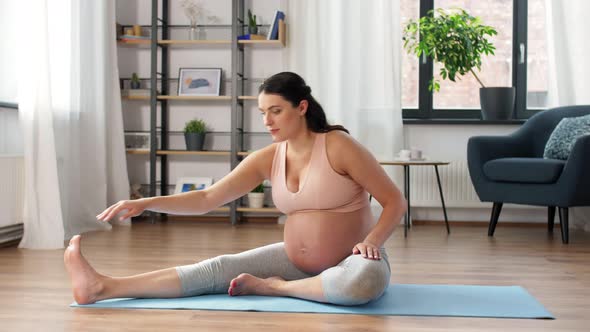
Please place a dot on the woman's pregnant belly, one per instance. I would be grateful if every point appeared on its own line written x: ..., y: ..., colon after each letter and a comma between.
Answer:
x: 315, y: 241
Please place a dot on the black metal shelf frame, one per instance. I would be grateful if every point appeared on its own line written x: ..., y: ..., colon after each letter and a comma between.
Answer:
x: 237, y: 89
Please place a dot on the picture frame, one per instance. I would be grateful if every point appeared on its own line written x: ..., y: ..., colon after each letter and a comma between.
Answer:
x: 186, y: 184
x: 199, y: 81
x: 139, y: 140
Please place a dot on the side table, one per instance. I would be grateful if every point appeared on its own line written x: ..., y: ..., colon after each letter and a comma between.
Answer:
x: 407, y: 164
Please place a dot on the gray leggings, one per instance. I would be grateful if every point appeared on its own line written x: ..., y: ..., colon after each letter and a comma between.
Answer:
x: 355, y: 280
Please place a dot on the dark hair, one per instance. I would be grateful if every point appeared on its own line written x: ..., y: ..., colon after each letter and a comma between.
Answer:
x: 292, y: 88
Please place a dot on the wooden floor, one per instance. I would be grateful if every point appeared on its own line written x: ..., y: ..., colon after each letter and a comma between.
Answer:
x: 35, y: 293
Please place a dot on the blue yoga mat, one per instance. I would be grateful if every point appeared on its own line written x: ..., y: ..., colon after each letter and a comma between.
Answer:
x: 399, y: 300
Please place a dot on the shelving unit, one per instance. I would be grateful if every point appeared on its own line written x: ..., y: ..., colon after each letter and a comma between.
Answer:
x: 160, y: 97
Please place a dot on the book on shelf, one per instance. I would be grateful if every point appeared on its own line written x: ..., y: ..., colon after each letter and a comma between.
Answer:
x: 251, y: 37
x: 273, y: 31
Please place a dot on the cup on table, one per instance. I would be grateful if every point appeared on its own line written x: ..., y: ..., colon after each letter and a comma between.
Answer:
x: 415, y: 154
x: 405, y: 154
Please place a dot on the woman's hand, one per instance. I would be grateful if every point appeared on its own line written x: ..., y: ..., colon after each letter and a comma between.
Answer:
x: 368, y: 250
x: 133, y: 208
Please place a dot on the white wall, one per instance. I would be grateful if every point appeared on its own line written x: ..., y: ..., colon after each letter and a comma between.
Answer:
x: 10, y: 31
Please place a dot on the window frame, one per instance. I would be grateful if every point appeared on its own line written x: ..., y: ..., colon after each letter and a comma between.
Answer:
x: 426, y: 110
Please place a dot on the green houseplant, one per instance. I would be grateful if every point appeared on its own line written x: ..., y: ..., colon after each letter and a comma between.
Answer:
x: 194, y: 134
x: 252, y: 26
x: 256, y: 197
x: 458, y: 41
x: 135, y: 82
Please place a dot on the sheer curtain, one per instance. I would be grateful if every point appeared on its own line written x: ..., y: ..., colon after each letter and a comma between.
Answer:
x: 70, y: 112
x: 569, y: 69
x: 349, y: 52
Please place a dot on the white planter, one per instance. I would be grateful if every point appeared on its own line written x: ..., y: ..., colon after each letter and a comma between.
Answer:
x: 255, y: 200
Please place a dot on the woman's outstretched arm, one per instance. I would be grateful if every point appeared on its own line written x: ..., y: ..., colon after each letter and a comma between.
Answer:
x: 250, y: 172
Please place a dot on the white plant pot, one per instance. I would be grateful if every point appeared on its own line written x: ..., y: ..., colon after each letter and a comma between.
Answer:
x: 256, y: 200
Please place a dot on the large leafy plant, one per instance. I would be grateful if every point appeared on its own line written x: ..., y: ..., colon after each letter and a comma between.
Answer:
x: 451, y: 37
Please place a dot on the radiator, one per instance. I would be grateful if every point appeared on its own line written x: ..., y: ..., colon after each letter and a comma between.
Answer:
x: 12, y: 183
x: 457, y: 188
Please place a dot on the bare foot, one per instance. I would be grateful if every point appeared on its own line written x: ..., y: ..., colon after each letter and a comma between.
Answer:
x: 247, y: 284
x: 87, y: 284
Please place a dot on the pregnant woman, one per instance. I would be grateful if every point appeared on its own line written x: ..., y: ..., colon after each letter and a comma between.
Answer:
x: 321, y: 178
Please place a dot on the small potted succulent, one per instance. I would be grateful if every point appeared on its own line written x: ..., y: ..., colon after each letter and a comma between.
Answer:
x: 194, y: 134
x: 135, y: 82
x: 256, y: 197
x: 252, y: 26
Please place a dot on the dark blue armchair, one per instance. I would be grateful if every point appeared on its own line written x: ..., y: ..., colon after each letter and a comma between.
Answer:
x: 511, y: 169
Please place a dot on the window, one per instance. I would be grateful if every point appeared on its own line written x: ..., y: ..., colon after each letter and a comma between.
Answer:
x: 521, y: 39
x: 496, y: 70
x: 9, y: 31
x: 537, y: 62
x: 409, y: 9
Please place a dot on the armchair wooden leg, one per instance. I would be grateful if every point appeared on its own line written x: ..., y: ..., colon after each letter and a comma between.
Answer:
x: 495, y: 216
x: 550, y: 218
x: 563, y: 216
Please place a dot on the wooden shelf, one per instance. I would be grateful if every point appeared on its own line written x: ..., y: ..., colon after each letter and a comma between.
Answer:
x: 186, y: 152
x: 262, y: 210
x: 274, y: 43
x: 164, y: 97
x: 200, y: 153
x: 141, y: 43
x: 138, y: 151
x: 184, y: 42
x: 135, y: 97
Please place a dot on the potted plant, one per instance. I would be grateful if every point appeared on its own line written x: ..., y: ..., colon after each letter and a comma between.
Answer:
x: 252, y: 26
x: 194, y: 134
x: 457, y: 41
x: 135, y: 82
x: 256, y: 197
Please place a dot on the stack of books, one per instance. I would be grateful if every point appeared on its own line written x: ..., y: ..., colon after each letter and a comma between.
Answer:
x: 273, y: 32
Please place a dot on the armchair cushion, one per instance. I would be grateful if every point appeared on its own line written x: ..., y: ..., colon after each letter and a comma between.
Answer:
x: 523, y: 170
x: 564, y: 136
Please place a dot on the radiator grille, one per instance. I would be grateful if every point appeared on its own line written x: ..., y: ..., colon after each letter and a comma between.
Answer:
x: 12, y: 183
x: 458, y: 190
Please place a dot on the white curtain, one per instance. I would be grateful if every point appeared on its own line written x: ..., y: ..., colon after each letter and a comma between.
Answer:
x: 70, y: 112
x: 569, y: 69
x: 349, y: 53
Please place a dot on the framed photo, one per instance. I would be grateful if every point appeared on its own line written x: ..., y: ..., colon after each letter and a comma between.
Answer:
x: 199, y: 81
x: 189, y: 184
x: 138, y: 140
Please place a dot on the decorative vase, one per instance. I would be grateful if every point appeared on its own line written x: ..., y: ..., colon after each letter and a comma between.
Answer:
x: 253, y: 30
x: 497, y: 103
x: 194, y: 141
x: 255, y: 200
x: 193, y: 33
